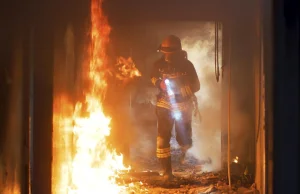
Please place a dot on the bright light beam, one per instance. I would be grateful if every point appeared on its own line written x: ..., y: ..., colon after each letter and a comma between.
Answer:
x: 175, y: 112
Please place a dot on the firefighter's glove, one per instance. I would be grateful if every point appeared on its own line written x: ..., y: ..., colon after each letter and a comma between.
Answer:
x: 162, y: 85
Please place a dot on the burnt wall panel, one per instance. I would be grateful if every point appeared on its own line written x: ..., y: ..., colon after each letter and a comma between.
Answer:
x: 42, y: 97
x: 12, y: 97
x: 239, y: 36
x: 12, y: 147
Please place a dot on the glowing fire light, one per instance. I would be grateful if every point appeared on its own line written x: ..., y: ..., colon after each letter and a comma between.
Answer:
x: 93, y: 169
x: 236, y: 160
x: 94, y: 165
x: 126, y: 69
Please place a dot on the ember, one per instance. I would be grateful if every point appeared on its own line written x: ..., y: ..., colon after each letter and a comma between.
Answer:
x: 236, y: 160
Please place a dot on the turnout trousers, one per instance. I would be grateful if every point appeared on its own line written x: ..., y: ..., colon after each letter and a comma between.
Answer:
x: 183, y: 128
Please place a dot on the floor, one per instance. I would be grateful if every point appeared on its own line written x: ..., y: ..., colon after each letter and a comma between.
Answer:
x: 190, y: 178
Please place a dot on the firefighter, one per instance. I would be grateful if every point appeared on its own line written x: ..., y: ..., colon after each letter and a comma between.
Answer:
x: 175, y: 77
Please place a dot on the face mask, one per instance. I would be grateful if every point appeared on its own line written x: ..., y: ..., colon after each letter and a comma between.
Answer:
x: 171, y: 57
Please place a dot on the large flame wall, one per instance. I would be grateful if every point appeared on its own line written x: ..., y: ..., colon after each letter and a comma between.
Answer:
x: 82, y: 160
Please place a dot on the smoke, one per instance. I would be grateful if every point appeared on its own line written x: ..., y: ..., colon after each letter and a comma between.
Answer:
x: 198, y: 39
x: 207, y: 132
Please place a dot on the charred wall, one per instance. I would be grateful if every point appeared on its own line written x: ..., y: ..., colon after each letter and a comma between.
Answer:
x: 26, y: 80
x: 240, y: 34
x: 12, y: 89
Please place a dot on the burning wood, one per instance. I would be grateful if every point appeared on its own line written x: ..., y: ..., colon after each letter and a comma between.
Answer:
x: 126, y: 69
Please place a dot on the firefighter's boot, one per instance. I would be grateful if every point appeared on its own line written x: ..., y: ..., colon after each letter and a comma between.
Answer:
x: 167, y: 169
x: 182, y: 157
x: 184, y: 150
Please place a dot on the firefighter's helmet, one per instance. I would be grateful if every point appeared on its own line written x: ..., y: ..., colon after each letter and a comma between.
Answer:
x: 170, y: 44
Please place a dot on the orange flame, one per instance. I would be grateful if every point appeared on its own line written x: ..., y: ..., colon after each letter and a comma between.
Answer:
x: 126, y: 69
x: 93, y: 167
x: 62, y: 143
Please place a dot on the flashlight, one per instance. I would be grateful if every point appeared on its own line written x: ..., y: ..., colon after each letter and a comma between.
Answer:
x: 169, y: 90
x: 167, y: 82
x: 176, y: 113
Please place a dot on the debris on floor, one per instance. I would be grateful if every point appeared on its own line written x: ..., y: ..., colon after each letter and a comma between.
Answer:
x: 190, y: 178
x: 186, y: 182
